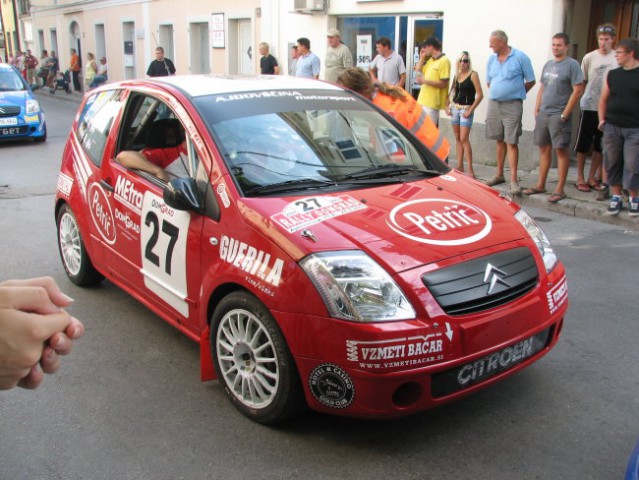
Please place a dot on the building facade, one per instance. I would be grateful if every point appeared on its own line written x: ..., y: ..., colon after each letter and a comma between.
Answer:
x: 222, y: 37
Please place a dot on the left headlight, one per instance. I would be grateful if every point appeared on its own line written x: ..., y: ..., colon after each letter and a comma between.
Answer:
x: 32, y: 106
x: 540, y: 238
x: 354, y: 287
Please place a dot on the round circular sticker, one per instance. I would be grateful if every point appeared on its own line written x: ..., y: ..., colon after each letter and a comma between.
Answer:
x: 438, y: 221
x: 331, y: 386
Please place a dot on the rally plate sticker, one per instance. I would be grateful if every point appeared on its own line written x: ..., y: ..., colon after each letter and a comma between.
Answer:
x: 464, y: 376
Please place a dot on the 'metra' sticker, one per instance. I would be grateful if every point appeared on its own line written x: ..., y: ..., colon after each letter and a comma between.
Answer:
x: 440, y: 222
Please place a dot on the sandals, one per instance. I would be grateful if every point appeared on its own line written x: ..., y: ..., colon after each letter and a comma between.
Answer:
x: 583, y: 187
x: 534, y: 191
x: 555, y: 197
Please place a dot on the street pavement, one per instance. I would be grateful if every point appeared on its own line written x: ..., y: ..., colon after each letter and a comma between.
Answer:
x: 576, y: 204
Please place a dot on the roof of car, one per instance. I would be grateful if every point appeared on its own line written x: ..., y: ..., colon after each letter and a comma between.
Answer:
x: 198, y: 85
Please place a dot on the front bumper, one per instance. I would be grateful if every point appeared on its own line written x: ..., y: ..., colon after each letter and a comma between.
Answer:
x: 400, y: 368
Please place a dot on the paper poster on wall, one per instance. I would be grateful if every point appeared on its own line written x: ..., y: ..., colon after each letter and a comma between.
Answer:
x: 364, y: 51
x: 217, y: 30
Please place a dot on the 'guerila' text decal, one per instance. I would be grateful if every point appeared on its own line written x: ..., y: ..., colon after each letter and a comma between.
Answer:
x: 251, y: 260
x: 309, y: 211
x: 437, y: 221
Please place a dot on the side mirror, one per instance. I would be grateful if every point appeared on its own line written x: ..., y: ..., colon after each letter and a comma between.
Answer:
x: 183, y: 194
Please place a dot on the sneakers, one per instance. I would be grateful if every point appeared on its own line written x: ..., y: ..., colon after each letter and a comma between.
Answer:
x: 603, y: 192
x: 496, y: 180
x: 633, y: 207
x: 615, y: 205
x: 515, y: 189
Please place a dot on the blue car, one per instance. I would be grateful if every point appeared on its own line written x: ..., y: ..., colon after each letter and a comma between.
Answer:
x: 632, y: 471
x: 20, y: 113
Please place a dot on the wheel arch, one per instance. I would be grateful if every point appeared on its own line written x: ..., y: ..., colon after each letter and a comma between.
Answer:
x: 207, y: 372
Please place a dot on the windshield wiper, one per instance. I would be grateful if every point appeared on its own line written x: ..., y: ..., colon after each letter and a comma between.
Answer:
x: 389, y: 170
x: 290, y: 185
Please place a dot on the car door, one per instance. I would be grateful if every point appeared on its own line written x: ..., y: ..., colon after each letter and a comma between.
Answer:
x: 156, y: 252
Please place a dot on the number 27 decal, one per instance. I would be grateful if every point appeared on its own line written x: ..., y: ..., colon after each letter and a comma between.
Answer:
x: 163, y: 239
x: 171, y: 230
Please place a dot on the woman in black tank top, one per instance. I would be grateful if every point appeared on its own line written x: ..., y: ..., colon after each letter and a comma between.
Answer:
x: 465, y: 94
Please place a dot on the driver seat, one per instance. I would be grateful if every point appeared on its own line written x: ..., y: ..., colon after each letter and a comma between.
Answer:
x: 164, y: 133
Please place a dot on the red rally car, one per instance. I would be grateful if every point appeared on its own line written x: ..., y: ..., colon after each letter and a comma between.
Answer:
x: 316, y: 250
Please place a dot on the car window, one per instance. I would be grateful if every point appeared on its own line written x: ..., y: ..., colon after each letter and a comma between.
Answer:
x: 152, y: 128
x: 11, y: 81
x: 322, y: 145
x: 95, y: 121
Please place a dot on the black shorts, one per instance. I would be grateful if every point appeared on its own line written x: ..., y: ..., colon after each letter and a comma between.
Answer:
x: 588, y: 133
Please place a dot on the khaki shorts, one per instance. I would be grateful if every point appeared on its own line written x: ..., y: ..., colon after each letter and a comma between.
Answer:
x: 503, y: 121
x: 551, y: 130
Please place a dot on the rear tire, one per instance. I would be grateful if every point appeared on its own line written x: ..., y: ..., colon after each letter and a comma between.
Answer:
x: 252, y: 360
x: 74, y: 255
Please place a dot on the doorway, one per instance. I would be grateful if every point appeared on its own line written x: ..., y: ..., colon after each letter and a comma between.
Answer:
x: 199, y: 40
x: 623, y: 14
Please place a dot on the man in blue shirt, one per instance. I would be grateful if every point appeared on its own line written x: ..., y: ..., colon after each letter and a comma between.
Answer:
x: 510, y: 76
x: 308, y: 64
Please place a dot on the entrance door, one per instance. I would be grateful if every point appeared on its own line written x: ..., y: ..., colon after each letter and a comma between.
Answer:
x: 419, y: 29
x: 623, y: 14
x: 245, y: 47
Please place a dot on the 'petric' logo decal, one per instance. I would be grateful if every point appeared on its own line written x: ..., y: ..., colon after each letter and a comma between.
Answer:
x: 440, y: 222
x: 101, y: 213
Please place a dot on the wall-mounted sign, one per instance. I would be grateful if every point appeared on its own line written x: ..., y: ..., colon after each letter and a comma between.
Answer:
x: 217, y: 29
x: 364, y: 51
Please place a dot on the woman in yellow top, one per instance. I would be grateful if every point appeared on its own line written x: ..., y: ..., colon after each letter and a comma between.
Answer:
x: 398, y: 104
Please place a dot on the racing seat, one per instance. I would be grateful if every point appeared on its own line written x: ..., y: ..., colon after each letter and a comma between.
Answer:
x: 163, y: 133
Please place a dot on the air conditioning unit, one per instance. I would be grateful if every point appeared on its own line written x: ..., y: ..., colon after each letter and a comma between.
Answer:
x: 309, y: 6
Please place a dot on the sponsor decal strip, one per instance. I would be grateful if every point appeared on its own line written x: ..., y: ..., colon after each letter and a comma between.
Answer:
x: 309, y: 211
x: 558, y: 295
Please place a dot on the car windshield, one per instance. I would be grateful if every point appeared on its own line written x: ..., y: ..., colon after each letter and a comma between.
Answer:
x: 312, y: 141
x: 10, y: 81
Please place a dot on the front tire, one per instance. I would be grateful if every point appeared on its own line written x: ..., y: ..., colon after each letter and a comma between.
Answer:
x: 252, y: 360
x: 73, y: 253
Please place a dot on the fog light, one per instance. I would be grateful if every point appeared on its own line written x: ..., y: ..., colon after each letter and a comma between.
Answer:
x: 407, y: 394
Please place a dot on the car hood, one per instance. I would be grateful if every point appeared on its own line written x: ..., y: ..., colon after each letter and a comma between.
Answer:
x: 402, y: 225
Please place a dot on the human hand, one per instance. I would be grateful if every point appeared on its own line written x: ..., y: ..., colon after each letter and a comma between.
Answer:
x: 466, y: 114
x: 34, y: 330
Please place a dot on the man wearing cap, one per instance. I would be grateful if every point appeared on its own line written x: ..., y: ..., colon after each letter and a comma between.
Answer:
x: 435, y: 78
x: 338, y: 56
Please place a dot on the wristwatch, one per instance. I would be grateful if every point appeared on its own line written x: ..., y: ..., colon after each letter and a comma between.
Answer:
x: 562, y: 116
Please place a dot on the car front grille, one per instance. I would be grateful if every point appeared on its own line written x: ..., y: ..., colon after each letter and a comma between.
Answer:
x: 483, y: 283
x: 9, y: 110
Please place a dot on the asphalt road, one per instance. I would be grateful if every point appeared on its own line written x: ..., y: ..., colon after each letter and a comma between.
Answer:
x: 128, y: 403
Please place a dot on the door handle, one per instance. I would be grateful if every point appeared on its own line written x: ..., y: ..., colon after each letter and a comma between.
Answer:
x: 107, y: 185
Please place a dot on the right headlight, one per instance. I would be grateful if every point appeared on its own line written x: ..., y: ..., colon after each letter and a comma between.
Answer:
x: 354, y: 287
x: 540, y: 239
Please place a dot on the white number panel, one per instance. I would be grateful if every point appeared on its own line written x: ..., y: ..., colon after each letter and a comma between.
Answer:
x: 163, y: 239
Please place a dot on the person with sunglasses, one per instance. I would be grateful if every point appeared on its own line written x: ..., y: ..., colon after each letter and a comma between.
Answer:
x: 594, y: 66
x: 466, y: 94
x: 619, y: 120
